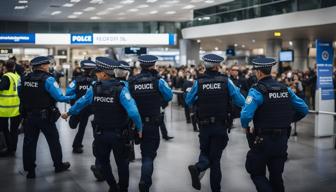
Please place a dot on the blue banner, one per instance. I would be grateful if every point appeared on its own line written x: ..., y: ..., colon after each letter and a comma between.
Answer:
x: 82, y: 38
x: 17, y: 38
x: 324, y: 61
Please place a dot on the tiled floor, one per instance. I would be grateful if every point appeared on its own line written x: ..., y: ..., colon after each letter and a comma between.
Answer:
x: 311, y: 165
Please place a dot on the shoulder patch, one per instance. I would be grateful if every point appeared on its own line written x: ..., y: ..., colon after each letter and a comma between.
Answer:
x: 72, y: 85
x: 56, y: 85
x: 248, y: 100
x: 128, y: 96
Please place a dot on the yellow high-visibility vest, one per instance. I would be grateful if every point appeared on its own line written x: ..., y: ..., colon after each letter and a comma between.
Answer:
x: 9, y: 99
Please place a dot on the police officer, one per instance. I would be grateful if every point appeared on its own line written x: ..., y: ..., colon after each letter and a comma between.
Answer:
x: 270, y: 104
x: 211, y: 94
x: 39, y: 94
x: 112, y: 106
x: 78, y: 87
x: 9, y: 106
x: 148, y: 90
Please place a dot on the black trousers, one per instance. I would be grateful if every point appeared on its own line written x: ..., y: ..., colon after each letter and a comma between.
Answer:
x: 105, y: 143
x: 33, y: 126
x: 9, y: 126
x: 83, y: 120
x: 271, y: 153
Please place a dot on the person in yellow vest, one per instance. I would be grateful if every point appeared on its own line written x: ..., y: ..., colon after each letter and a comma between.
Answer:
x: 9, y: 106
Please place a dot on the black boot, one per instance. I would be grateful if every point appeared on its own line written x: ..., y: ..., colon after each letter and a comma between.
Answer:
x: 96, y: 172
x: 77, y: 150
x: 143, y: 187
x: 62, y: 167
x: 167, y: 138
x: 31, y: 174
x: 196, y: 183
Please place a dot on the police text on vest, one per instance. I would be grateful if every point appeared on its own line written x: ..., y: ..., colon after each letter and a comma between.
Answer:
x: 212, y: 86
x: 278, y: 95
x: 30, y: 84
x: 146, y: 86
x: 104, y: 99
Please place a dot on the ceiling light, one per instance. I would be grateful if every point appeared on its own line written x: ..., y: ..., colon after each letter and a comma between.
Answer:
x: 151, y: 1
x: 206, y: 18
x: 89, y: 9
x: 277, y: 34
x: 56, y: 12
x: 209, y: 1
x: 236, y: 45
x: 189, y: 7
x: 75, y: 1
x: 290, y: 43
x: 153, y: 12
x: 77, y: 13
x: 68, y: 5
x: 216, y: 48
x: 172, y: 2
x: 72, y: 16
x: 165, y: 5
x: 95, y: 18
x: 143, y: 6
x: 127, y: 2
x: 23, y: 1
x: 20, y: 7
x: 170, y: 12
x: 133, y: 10
x: 200, y: 19
x: 198, y: 40
x: 253, y: 40
x: 243, y: 46
x: 115, y: 7
x: 97, y: 1
x: 103, y: 13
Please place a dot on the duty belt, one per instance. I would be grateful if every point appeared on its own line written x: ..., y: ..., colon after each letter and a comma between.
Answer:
x: 148, y: 119
x: 210, y: 120
x: 283, y: 131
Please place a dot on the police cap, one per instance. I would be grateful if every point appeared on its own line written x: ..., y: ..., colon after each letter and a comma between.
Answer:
x: 147, y: 60
x: 40, y: 60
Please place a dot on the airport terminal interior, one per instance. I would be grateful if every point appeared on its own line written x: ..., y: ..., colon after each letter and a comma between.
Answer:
x: 297, y: 34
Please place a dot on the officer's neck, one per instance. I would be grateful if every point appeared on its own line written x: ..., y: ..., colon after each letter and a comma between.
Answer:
x: 212, y: 72
x: 265, y: 77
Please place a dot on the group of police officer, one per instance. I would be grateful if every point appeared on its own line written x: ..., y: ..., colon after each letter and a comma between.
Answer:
x: 115, y: 101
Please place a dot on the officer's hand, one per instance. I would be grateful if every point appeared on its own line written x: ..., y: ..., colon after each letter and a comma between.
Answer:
x: 140, y: 134
x: 65, y: 116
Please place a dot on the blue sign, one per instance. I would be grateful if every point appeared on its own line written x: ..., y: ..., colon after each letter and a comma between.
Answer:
x: 82, y: 38
x: 324, y: 60
x: 17, y: 38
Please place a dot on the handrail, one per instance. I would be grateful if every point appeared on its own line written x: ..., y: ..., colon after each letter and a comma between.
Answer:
x: 322, y: 112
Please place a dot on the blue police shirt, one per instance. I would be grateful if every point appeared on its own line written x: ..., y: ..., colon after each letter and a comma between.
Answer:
x: 71, y: 88
x: 165, y: 90
x: 238, y: 98
x: 52, y: 87
x: 126, y: 101
x: 255, y: 99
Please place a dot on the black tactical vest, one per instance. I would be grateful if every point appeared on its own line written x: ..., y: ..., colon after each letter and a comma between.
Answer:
x: 33, y: 93
x: 213, y: 97
x: 145, y: 91
x: 107, y: 109
x: 276, y: 112
x: 82, y: 85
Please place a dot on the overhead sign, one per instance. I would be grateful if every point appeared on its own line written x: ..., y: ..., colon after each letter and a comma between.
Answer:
x: 89, y: 39
x: 324, y: 60
x: 17, y: 38
x: 82, y: 38
x: 133, y: 39
x: 52, y: 39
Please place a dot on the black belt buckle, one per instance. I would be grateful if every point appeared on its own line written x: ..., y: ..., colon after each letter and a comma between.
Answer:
x: 147, y: 119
